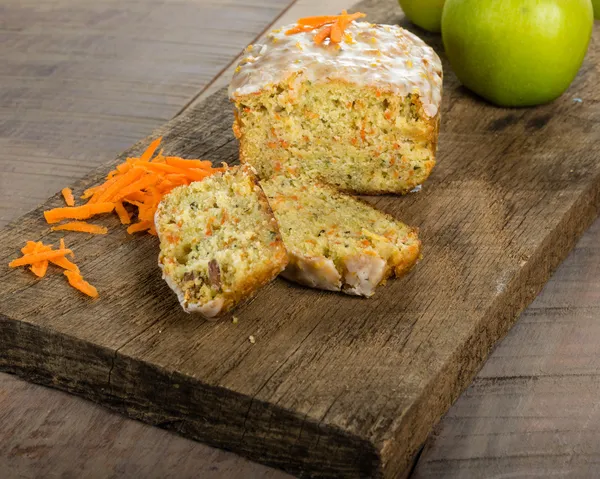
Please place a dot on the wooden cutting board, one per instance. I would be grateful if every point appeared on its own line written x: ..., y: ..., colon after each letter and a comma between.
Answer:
x: 334, y: 386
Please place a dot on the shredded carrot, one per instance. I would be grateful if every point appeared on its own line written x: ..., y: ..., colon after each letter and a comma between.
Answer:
x: 141, y: 182
x: 68, y: 196
x: 209, y: 223
x: 141, y: 226
x: 335, y: 33
x: 32, y: 258
x: 77, y: 281
x: 150, y: 150
x: 82, y: 227
x: 123, y: 214
x: 120, y: 182
x: 89, y: 192
x: 39, y: 269
x: 181, y: 163
x: 318, y: 20
x: 332, y: 26
x: 64, y: 263
x: 322, y: 35
x: 77, y: 212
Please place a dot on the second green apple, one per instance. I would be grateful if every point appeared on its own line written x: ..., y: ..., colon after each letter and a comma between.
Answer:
x: 517, y: 52
x: 427, y: 14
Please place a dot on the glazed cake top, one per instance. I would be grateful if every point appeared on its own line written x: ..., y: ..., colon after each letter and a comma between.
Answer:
x: 385, y: 56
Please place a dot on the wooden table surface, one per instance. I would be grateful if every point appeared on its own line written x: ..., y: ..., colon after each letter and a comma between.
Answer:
x: 81, y: 81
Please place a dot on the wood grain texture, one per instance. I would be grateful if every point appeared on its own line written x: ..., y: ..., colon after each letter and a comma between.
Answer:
x: 82, y: 80
x: 58, y: 435
x: 332, y: 384
x: 533, y: 409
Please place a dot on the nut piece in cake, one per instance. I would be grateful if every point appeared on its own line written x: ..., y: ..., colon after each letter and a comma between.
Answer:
x: 361, y: 114
x: 219, y: 241
x: 336, y: 242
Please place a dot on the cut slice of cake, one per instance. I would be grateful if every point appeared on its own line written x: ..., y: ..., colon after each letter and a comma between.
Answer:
x: 361, y: 113
x: 336, y: 242
x: 219, y: 241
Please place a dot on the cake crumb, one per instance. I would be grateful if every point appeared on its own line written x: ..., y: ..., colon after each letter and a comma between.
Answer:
x: 234, y: 320
x: 251, y: 339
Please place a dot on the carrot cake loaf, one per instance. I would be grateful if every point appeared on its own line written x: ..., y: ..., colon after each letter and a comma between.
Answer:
x: 354, y: 104
x: 219, y: 241
x: 336, y: 242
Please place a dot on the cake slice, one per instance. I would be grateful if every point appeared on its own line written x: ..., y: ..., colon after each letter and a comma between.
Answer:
x: 219, y: 241
x: 336, y: 242
x: 361, y: 114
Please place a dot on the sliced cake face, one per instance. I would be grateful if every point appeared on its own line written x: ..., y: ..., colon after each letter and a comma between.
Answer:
x: 361, y: 115
x: 336, y: 242
x: 219, y: 241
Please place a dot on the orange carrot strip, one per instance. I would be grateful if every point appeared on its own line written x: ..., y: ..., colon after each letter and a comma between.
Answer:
x: 101, y: 188
x: 198, y: 175
x: 77, y: 212
x: 144, y: 182
x: 318, y: 20
x: 82, y: 227
x: 32, y: 246
x: 322, y: 34
x: 68, y: 196
x: 141, y: 226
x: 123, y: 213
x: 300, y: 29
x: 181, y: 163
x: 123, y: 181
x: 64, y: 263
x: 136, y: 196
x: 164, y: 168
x: 176, y: 177
x: 32, y: 258
x: 39, y: 269
x: 89, y: 192
x: 150, y: 150
x: 336, y: 33
x: 76, y: 280
x: 343, y: 23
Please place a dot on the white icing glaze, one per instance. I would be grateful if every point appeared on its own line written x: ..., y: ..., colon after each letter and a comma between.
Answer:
x: 314, y: 271
x: 383, y: 56
x: 363, y: 274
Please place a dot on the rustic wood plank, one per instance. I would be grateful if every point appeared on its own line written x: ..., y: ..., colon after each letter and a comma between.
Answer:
x: 82, y: 80
x: 484, y: 206
x: 533, y: 408
x: 58, y: 435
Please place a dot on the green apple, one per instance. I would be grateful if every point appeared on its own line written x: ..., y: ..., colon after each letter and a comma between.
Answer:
x: 517, y: 52
x: 596, y: 4
x: 426, y: 14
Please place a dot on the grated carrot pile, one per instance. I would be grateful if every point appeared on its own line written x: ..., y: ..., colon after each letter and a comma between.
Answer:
x: 141, y: 182
x: 329, y: 26
x: 37, y: 255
